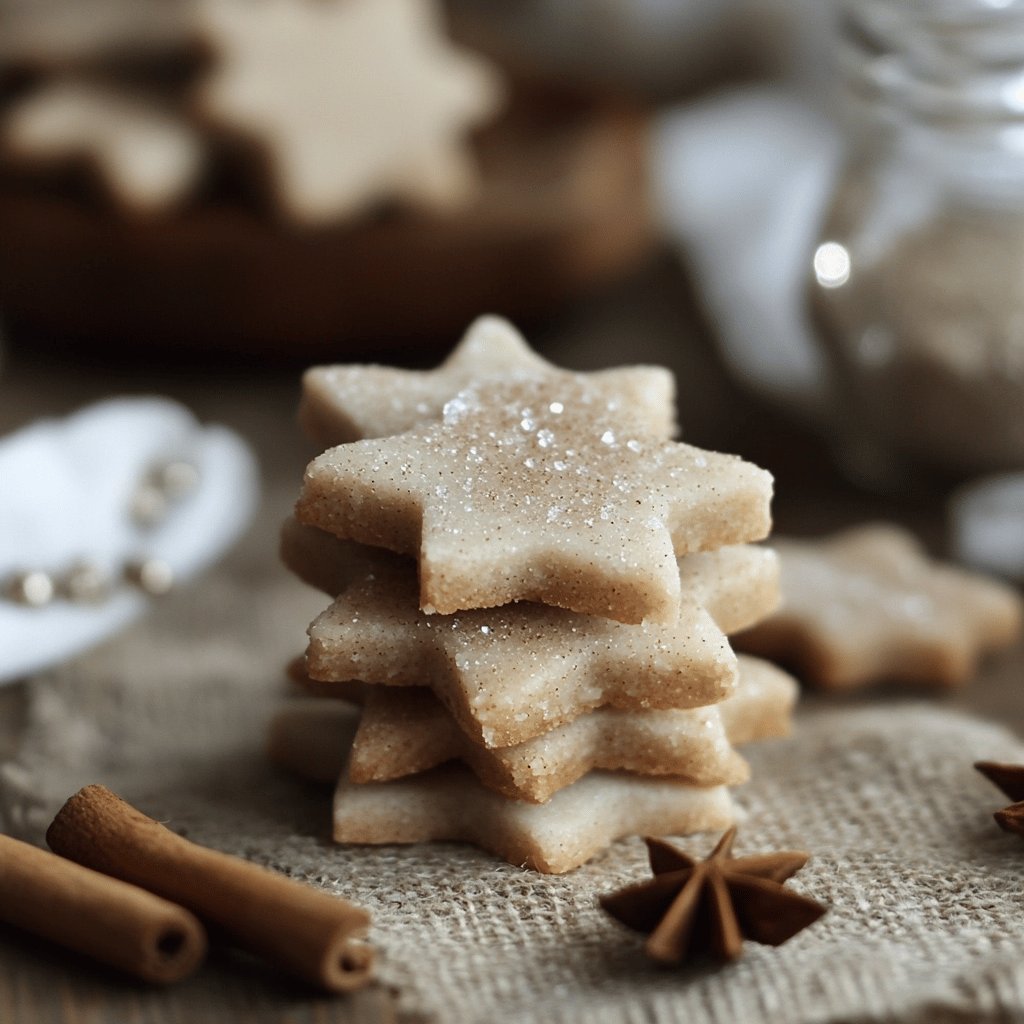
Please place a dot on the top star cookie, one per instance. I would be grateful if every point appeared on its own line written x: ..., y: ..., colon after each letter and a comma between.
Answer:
x: 546, y: 486
x: 351, y: 102
x: 350, y: 403
x: 868, y: 605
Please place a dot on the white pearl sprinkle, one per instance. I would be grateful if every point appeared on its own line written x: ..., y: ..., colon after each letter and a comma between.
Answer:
x: 153, y: 575
x: 33, y: 588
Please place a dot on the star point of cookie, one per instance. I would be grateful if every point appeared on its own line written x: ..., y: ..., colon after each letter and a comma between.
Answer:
x: 351, y: 102
x: 695, y: 907
x: 868, y: 605
x: 352, y: 402
x: 542, y: 487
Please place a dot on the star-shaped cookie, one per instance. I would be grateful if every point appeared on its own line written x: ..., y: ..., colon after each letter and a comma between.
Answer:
x: 350, y: 102
x: 147, y: 158
x: 695, y: 907
x: 403, y: 732
x: 737, y: 585
x: 541, y: 487
x: 450, y: 804
x: 869, y: 605
x: 352, y: 402
x: 511, y: 673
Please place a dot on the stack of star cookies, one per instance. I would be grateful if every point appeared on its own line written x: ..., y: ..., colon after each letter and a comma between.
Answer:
x: 533, y: 591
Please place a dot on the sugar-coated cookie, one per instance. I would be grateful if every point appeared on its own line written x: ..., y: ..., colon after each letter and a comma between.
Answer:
x: 543, y: 487
x: 352, y: 402
x: 738, y: 585
x: 404, y: 732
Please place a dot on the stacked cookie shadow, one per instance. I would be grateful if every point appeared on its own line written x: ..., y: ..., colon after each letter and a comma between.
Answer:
x: 541, y: 662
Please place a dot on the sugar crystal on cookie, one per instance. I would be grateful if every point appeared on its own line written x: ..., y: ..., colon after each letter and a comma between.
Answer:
x: 563, y: 510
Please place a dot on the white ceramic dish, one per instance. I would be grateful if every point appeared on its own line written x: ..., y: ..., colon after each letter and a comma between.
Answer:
x: 65, y: 491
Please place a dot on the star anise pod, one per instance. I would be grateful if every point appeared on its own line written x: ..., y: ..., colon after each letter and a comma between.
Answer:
x: 1010, y: 779
x: 709, y: 907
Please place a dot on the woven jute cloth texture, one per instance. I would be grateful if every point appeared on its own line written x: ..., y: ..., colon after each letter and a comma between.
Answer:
x: 926, y: 896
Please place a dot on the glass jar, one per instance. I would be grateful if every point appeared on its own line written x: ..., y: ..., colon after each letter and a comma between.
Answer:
x: 917, y: 290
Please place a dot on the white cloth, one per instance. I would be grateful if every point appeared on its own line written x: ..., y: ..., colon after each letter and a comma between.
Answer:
x: 741, y: 182
x: 65, y: 493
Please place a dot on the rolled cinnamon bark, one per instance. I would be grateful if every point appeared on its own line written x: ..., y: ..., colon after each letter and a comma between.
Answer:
x: 304, y: 931
x: 107, y: 920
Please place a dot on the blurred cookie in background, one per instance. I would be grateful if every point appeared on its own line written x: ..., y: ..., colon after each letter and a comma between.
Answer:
x: 193, y: 186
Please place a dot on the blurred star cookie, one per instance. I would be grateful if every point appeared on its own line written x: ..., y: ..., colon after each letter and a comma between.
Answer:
x: 545, y: 486
x: 147, y: 158
x: 510, y: 673
x: 349, y: 102
x: 353, y: 402
x: 869, y: 605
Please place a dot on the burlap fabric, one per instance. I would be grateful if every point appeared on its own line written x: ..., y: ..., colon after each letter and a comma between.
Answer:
x: 927, y: 905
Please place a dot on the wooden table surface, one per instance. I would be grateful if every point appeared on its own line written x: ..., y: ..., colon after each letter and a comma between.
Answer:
x: 652, y: 318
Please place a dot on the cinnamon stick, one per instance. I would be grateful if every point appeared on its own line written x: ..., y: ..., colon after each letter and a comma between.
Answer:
x: 289, y: 924
x: 108, y: 920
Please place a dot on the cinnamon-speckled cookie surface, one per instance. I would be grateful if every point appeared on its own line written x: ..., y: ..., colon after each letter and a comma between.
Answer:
x: 352, y: 402
x: 542, y: 487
